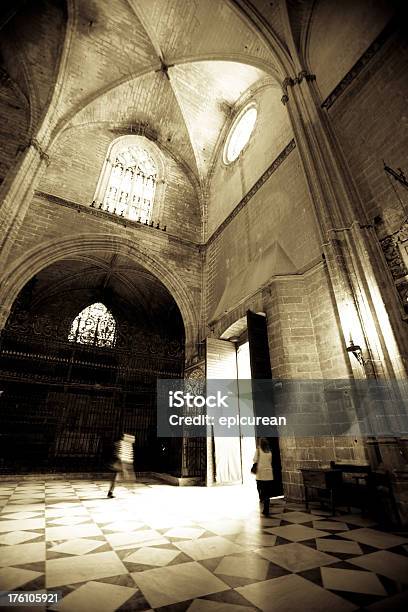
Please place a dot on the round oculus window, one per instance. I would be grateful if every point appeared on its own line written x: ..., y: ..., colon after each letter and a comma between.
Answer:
x: 240, y: 133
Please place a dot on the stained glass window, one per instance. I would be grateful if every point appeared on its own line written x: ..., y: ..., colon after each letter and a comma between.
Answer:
x: 132, y: 184
x: 94, y: 325
x: 240, y: 133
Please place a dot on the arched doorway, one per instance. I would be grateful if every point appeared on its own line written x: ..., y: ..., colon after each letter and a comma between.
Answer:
x: 83, y: 346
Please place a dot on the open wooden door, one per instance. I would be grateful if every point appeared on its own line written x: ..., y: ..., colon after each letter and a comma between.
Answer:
x: 221, y: 364
x: 261, y: 370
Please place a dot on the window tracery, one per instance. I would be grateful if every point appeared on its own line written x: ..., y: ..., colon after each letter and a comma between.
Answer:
x: 131, y: 185
x: 94, y: 325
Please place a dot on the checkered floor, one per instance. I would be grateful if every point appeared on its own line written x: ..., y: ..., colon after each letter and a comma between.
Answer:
x: 157, y: 547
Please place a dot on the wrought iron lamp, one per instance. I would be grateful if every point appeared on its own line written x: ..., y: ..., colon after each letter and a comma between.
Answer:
x: 357, y: 352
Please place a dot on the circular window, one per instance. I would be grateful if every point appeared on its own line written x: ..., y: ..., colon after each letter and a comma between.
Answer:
x: 240, y: 133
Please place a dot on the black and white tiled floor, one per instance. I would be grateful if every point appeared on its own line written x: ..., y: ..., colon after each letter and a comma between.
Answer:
x: 157, y: 547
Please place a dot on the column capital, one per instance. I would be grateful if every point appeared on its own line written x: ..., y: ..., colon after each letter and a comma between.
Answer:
x: 303, y: 75
x: 35, y: 144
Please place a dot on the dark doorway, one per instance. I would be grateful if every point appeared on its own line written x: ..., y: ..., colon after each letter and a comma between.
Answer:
x: 69, y: 390
x: 261, y: 370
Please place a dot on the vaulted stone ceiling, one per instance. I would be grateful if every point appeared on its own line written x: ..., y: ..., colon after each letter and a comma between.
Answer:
x: 129, y: 290
x: 173, y: 68
x: 31, y: 40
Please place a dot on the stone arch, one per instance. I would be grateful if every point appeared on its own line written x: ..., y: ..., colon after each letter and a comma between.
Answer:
x: 78, y: 246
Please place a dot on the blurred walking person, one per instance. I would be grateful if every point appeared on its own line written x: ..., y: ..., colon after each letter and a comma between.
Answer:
x: 122, y: 461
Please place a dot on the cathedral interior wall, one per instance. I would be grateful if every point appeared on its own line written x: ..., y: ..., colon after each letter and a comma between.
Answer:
x: 277, y: 223
x: 245, y: 235
x: 30, y: 48
x: 76, y: 165
x: 229, y: 183
x: 370, y: 123
x: 337, y: 39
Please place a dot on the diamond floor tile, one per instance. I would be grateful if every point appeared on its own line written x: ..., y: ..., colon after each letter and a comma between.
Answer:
x: 192, y: 548
x: 70, y: 532
x: 255, y: 540
x: 330, y: 525
x: 168, y: 585
x: 95, y: 597
x: 207, y: 605
x: 22, y: 524
x: 208, y: 548
x: 373, y: 537
x: 15, y: 577
x: 79, y: 546
x: 69, y: 570
x: 297, y: 533
x: 355, y: 519
x: 187, y: 533
x: 386, y: 563
x: 243, y: 566
x: 145, y: 537
x: 18, y: 537
x: 296, y: 557
x: 152, y: 556
x: 292, y: 592
x: 351, y: 580
x: 338, y: 546
x: 22, y: 553
x: 295, y: 517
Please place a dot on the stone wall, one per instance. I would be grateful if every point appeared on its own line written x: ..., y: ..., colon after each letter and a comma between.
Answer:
x: 273, y: 234
x: 229, y: 183
x: 76, y: 165
x: 14, y: 122
x: 371, y: 123
x: 338, y: 38
x: 305, y: 344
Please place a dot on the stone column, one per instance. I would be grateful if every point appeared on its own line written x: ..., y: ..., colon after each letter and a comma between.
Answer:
x: 16, y: 193
x: 359, y: 277
x: 355, y: 263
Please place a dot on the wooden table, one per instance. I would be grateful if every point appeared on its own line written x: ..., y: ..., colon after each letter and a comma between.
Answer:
x: 323, y: 480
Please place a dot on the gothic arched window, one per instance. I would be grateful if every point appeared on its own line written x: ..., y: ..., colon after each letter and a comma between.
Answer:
x: 131, y: 184
x: 94, y: 325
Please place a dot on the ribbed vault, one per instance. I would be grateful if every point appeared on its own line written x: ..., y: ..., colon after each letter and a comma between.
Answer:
x: 174, y: 70
x: 128, y: 289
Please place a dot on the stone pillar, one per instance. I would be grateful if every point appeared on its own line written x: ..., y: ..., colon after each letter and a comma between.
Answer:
x: 16, y: 194
x: 355, y: 263
x: 357, y: 269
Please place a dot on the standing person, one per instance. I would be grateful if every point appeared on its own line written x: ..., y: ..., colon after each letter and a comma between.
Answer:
x: 264, y: 473
x: 122, y: 461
